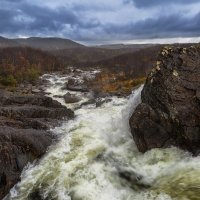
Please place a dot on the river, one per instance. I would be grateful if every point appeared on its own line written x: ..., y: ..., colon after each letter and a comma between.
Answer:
x: 97, y: 159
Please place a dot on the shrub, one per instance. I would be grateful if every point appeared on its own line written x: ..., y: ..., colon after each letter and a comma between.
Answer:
x: 32, y: 74
x: 8, y: 80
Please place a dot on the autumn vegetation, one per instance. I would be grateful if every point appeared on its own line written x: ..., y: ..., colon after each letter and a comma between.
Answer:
x: 21, y: 65
x: 122, y: 69
x: 122, y: 73
x: 115, y: 83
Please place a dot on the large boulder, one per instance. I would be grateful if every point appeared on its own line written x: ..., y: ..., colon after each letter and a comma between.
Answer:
x: 71, y: 98
x: 170, y: 110
x: 24, y: 121
x: 75, y: 85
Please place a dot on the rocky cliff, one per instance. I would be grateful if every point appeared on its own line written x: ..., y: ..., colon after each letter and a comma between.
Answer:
x: 170, y: 110
x: 24, y: 136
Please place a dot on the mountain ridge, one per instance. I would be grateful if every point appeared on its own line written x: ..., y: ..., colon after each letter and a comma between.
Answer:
x: 45, y: 44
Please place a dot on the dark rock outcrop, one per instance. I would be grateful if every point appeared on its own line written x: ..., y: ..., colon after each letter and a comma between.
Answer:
x: 17, y: 148
x: 100, y: 102
x: 71, y: 98
x: 75, y: 85
x: 131, y: 178
x: 170, y: 110
x: 24, y: 120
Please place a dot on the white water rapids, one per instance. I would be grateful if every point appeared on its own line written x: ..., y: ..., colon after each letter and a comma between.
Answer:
x: 95, y: 148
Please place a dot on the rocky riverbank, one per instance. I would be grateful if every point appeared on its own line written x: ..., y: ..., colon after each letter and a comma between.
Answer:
x: 25, y: 119
x: 169, y: 114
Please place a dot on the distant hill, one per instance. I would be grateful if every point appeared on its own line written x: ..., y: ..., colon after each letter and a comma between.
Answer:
x: 126, y: 46
x: 136, y: 63
x: 114, y: 59
x: 45, y: 44
x: 135, y: 59
x: 4, y: 43
x: 82, y: 56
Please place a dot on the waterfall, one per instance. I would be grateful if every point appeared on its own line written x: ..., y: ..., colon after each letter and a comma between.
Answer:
x: 97, y: 159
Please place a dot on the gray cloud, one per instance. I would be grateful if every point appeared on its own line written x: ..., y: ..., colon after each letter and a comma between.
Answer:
x: 91, y: 22
x: 153, y: 3
x: 167, y: 26
x: 13, y: 0
x: 33, y: 18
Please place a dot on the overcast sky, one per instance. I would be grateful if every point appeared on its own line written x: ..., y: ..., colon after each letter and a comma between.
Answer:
x: 100, y: 21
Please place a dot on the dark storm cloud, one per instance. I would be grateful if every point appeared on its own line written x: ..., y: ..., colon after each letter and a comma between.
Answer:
x: 33, y: 18
x: 89, y: 20
x: 168, y: 26
x: 45, y: 18
x: 7, y: 23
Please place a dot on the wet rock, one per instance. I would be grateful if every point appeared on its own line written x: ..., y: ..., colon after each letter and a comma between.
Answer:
x: 78, y: 88
x: 3, y: 180
x: 101, y: 94
x: 59, y: 83
x: 100, y: 102
x: 71, y: 98
x: 72, y: 81
x: 17, y: 148
x: 36, y: 91
x: 27, y: 107
x: 97, y: 102
x: 24, y: 121
x: 32, y: 111
x: 58, y: 96
x: 129, y: 174
x: 89, y: 102
x: 75, y: 85
x: 36, y: 195
x: 170, y: 110
x: 27, y: 88
x: 7, y: 98
x: 131, y: 178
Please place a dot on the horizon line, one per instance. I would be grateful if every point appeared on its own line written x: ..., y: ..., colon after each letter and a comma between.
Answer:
x: 174, y: 40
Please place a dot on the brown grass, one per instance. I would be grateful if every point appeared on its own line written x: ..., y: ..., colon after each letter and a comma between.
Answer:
x: 115, y: 83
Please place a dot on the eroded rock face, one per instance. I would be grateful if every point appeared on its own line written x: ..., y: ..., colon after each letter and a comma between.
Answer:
x: 17, y: 148
x: 24, y: 121
x: 170, y: 110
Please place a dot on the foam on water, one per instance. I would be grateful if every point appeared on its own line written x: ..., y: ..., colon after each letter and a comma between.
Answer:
x: 93, y: 148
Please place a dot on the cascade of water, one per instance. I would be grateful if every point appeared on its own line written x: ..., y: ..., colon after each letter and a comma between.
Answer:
x: 96, y: 159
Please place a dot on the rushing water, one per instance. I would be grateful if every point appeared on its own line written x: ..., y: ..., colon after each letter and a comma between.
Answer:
x: 95, y: 153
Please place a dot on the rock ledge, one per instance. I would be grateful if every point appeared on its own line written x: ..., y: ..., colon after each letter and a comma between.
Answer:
x: 24, y: 136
